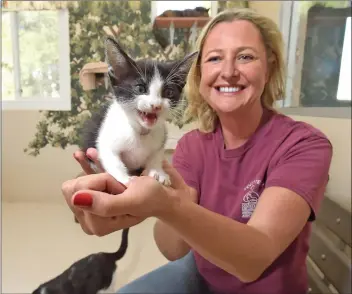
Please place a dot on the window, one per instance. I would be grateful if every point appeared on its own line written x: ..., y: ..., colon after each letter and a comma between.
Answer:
x: 318, y: 46
x: 35, y: 65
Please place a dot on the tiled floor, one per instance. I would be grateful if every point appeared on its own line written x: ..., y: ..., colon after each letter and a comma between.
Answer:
x: 39, y: 241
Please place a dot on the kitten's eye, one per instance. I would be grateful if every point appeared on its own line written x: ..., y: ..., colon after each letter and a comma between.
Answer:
x: 169, y: 93
x: 141, y: 89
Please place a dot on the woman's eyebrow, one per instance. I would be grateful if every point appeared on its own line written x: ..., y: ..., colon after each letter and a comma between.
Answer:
x: 238, y: 49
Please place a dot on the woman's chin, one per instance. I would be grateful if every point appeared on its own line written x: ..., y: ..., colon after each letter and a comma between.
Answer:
x: 227, y: 108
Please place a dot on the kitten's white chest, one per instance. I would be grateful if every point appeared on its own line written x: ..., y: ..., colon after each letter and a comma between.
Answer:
x: 121, y: 148
x: 139, y: 149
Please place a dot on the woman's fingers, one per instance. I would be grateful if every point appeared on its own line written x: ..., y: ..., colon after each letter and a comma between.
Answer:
x: 101, y: 226
x: 82, y: 160
x: 92, y: 154
x: 97, y: 182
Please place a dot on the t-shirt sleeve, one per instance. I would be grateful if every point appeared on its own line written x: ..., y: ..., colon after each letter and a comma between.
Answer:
x: 304, y: 169
x: 186, y: 163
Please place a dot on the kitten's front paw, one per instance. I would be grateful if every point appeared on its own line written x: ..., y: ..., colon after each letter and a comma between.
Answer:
x: 160, y: 176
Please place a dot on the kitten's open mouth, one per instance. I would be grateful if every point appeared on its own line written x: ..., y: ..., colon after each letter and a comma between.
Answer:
x: 148, y: 117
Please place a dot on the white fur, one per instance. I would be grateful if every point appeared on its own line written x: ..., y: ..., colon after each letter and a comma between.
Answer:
x: 121, y: 144
x: 113, y: 287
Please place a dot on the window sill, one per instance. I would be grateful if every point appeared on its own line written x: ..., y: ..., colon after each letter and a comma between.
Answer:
x: 58, y: 105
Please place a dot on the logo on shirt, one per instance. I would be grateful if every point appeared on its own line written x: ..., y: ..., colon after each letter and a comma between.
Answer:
x: 250, y: 198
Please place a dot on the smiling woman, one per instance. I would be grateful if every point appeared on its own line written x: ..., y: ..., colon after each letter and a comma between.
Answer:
x: 245, y: 187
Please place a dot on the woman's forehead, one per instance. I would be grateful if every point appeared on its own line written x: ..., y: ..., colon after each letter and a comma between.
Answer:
x: 238, y: 33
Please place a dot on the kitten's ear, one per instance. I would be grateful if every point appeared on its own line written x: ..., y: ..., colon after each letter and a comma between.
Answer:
x: 185, y: 64
x: 117, y: 59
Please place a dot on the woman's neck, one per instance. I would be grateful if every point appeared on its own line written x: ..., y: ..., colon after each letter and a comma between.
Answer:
x: 237, y: 128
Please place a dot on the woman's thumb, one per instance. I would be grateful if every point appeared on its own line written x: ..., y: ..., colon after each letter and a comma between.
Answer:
x: 175, y: 178
x: 99, y: 203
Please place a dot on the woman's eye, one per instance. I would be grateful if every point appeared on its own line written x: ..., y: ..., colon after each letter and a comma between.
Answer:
x: 245, y: 57
x: 214, y: 58
x: 141, y: 89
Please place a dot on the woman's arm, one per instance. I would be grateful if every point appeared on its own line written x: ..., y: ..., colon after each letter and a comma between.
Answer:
x: 169, y: 242
x: 244, y: 250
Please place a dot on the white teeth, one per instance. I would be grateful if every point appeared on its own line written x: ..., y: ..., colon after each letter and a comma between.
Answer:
x: 229, y: 89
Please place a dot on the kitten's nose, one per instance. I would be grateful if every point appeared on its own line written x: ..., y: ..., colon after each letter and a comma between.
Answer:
x: 156, y: 107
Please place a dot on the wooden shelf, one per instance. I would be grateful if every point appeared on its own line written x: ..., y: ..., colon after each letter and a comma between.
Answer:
x: 180, y: 22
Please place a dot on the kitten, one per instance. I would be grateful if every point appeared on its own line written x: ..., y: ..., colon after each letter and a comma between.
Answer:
x: 130, y: 132
x: 92, y: 274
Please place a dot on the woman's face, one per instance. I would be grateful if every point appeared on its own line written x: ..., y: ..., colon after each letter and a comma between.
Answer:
x: 233, y: 67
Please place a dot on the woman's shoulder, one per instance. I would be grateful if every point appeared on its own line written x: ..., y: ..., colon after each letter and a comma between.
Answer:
x: 195, y: 137
x: 286, y: 125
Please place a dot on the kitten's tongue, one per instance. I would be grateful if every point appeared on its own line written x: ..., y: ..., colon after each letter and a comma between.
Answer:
x: 149, y: 118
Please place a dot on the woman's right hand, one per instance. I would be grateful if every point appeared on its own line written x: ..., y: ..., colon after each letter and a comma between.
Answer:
x: 82, y: 159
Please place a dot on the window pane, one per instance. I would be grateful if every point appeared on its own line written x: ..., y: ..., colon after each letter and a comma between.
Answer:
x: 39, y: 53
x: 344, y: 87
x: 7, y: 75
x: 326, y: 72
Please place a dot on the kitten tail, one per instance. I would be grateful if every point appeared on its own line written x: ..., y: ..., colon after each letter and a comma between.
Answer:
x: 123, y: 247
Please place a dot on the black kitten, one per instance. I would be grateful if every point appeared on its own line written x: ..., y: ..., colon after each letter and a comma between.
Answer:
x: 92, y: 274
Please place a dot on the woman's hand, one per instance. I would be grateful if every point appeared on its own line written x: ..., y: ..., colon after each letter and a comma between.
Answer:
x: 82, y: 159
x: 103, y: 206
x: 107, y: 188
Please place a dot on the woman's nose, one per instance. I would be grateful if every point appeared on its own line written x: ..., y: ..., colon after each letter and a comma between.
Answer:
x: 229, y: 69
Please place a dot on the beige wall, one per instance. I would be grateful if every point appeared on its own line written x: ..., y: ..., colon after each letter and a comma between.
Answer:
x: 47, y: 241
x: 268, y: 8
x: 25, y: 178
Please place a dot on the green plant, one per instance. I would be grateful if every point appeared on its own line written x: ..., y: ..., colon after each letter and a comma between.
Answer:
x: 89, y: 24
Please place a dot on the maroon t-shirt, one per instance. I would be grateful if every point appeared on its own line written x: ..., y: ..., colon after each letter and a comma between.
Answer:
x: 282, y: 152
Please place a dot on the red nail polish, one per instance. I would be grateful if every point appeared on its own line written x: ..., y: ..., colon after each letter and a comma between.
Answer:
x: 83, y: 199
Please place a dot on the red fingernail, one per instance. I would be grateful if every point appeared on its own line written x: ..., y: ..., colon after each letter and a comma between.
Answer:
x: 83, y: 199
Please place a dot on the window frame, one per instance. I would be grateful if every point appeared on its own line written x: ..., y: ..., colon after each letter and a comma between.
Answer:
x: 45, y: 103
x: 290, y: 23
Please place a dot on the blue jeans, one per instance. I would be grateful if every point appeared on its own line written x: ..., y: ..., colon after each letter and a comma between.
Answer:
x: 180, y: 276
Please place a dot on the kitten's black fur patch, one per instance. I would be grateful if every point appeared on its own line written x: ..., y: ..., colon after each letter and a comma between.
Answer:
x: 87, y: 275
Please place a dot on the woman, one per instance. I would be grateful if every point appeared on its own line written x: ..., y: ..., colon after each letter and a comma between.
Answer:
x: 245, y: 186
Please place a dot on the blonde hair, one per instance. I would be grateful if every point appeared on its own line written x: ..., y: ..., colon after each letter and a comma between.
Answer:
x: 197, y: 107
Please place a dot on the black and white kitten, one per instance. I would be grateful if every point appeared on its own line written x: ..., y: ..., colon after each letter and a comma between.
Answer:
x: 93, y: 274
x: 130, y: 132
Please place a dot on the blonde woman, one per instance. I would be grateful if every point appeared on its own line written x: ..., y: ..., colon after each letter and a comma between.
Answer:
x: 246, y: 185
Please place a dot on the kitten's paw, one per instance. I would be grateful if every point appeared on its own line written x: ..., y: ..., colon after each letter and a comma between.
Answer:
x: 160, y: 176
